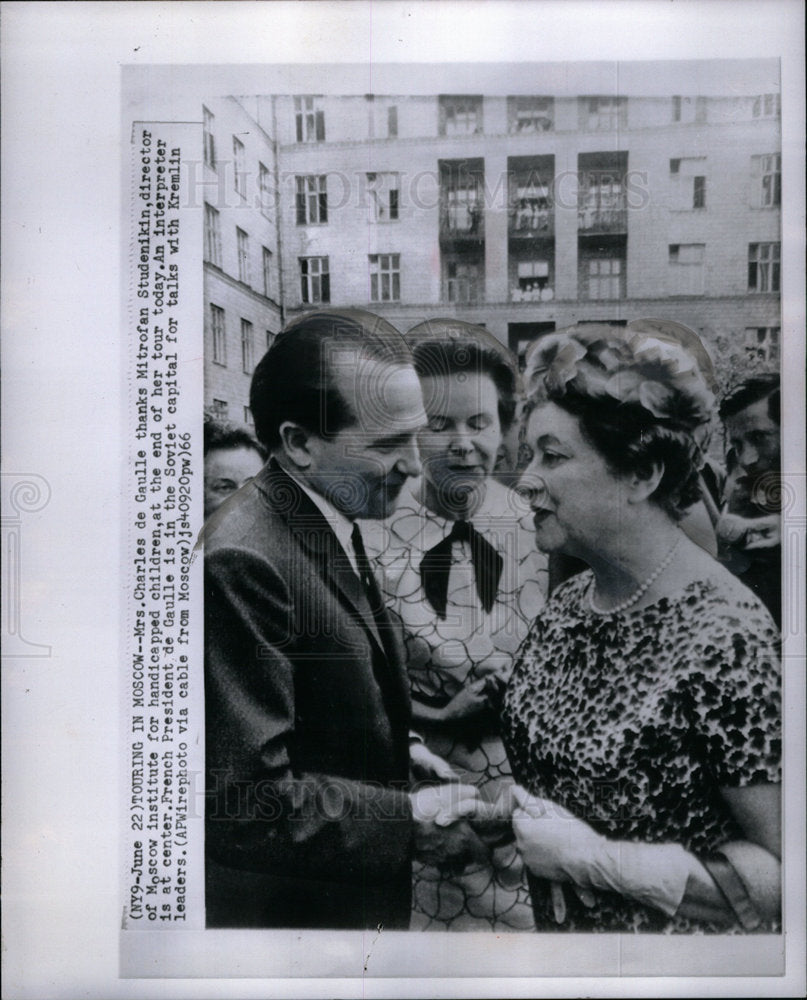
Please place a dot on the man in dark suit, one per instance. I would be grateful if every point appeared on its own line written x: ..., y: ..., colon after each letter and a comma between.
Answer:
x: 309, y: 819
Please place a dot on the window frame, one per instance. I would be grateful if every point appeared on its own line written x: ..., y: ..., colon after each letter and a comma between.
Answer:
x: 309, y: 119
x: 387, y: 266
x: 315, y: 279
x: 264, y: 189
x: 311, y: 199
x: 212, y: 235
x: 766, y: 266
x: 267, y: 264
x: 247, y: 346
x: 243, y: 252
x: 239, y: 167
x: 218, y: 333
x: 208, y: 138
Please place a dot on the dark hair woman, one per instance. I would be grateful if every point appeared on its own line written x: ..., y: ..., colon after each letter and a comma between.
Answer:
x: 643, y: 715
x: 459, y: 565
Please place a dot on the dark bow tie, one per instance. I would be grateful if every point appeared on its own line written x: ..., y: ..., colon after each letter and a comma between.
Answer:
x: 436, y: 565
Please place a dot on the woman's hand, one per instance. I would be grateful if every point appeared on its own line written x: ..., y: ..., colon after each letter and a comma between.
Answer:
x: 551, y: 840
x: 556, y: 845
x: 471, y: 700
x: 427, y: 766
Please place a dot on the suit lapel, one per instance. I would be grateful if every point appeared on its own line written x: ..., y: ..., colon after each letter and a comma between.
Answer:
x: 316, y: 537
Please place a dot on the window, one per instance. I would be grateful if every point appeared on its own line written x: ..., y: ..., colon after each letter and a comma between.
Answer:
x: 603, y: 114
x: 315, y: 285
x: 767, y: 106
x: 268, y: 284
x: 248, y: 420
x: 392, y: 122
x: 270, y: 339
x: 763, y: 267
x: 533, y: 282
x: 767, y: 170
x: 603, y: 277
x: 265, y: 190
x: 762, y: 343
x: 465, y: 282
x: 312, y: 200
x: 242, y: 239
x: 309, y: 119
x: 221, y: 409
x: 463, y: 209
x: 530, y: 115
x: 239, y: 164
x: 218, y: 334
x: 382, y: 195
x: 208, y: 141
x: 602, y: 201
x: 532, y: 209
x: 460, y: 115
x: 689, y: 109
x: 212, y: 235
x: 686, y: 268
x: 385, y: 277
x: 688, y: 183
x: 247, y: 347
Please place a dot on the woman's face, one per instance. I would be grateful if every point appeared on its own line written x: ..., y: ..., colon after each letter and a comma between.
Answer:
x: 458, y: 448
x: 578, y: 504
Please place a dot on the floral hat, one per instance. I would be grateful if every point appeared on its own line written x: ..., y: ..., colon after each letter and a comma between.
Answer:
x: 638, y: 366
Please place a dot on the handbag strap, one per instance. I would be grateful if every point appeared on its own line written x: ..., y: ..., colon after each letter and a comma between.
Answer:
x: 732, y: 887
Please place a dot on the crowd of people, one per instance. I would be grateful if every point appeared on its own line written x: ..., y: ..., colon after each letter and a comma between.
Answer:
x: 491, y: 650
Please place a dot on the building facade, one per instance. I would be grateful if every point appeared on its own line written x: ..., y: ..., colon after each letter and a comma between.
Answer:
x: 524, y: 213
x: 241, y: 255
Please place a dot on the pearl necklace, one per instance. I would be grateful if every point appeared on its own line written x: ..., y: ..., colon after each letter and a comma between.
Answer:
x: 637, y: 595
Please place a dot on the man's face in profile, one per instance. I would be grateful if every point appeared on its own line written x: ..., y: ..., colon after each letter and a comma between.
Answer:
x: 362, y: 468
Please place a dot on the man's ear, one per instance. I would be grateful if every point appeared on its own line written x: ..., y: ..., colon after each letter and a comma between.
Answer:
x: 644, y: 481
x: 296, y: 443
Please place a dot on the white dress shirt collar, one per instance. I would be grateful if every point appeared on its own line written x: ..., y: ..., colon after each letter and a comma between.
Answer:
x: 342, y: 526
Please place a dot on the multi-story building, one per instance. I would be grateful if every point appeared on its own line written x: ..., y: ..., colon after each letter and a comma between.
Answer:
x: 242, y: 285
x: 528, y: 213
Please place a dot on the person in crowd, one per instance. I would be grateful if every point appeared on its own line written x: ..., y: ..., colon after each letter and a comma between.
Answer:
x: 642, y: 718
x: 750, y: 526
x: 309, y: 819
x: 232, y: 458
x: 458, y: 563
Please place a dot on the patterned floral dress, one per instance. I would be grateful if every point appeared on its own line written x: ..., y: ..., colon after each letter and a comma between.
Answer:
x: 442, y: 657
x: 634, y: 720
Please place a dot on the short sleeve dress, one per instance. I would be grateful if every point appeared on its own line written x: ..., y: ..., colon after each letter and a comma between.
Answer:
x: 634, y: 720
x: 442, y: 657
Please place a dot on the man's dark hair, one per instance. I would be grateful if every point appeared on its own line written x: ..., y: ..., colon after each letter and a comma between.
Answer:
x: 295, y: 378
x: 751, y: 391
x: 449, y: 347
x: 220, y: 435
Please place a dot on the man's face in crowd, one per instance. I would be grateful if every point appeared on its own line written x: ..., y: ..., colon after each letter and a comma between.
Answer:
x: 755, y: 440
x: 362, y: 468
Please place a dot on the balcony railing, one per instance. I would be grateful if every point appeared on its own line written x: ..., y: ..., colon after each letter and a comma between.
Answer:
x: 531, y: 292
x: 462, y: 220
x: 530, y: 221
x: 464, y: 291
x: 602, y: 220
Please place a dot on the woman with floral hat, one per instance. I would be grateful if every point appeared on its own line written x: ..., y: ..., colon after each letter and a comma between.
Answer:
x: 642, y: 718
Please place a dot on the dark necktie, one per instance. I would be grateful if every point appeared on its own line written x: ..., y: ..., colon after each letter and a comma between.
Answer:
x: 436, y: 566
x: 368, y: 580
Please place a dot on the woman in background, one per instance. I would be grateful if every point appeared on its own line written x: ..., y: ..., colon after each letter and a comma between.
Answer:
x: 458, y: 563
x: 643, y: 713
